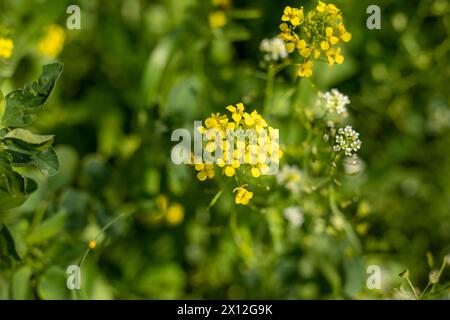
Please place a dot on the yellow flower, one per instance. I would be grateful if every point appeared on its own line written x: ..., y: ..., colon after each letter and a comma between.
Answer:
x: 316, y: 54
x: 305, y: 52
x: 334, y: 40
x: 346, y: 37
x: 324, y: 45
x: 331, y: 8
x: 254, y: 120
x: 301, y: 44
x: 53, y: 41
x: 293, y: 15
x: 205, y: 170
x: 229, y: 171
x: 285, y: 28
x: 290, y: 46
x: 162, y: 202
x: 334, y: 56
x: 217, y: 19
x: 329, y: 31
x: 321, y: 7
x: 6, y: 48
x: 175, y: 214
x: 243, y: 196
x: 253, y: 153
x: 215, y: 120
x: 305, y: 69
x: 92, y: 244
x: 321, y: 30
x: 259, y: 169
x: 237, y: 111
x: 339, y: 58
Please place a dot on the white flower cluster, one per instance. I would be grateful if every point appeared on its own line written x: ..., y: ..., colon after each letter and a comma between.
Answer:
x: 294, y: 215
x: 273, y: 49
x: 290, y: 177
x: 347, y: 140
x: 335, y: 101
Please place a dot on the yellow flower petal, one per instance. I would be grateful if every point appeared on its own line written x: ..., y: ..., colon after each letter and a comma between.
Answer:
x: 256, y: 172
x: 231, y: 108
x: 175, y: 214
x: 290, y: 46
x: 324, y: 45
x: 305, y: 52
x: 346, y: 37
x: 329, y: 31
x: 229, y: 171
x: 199, y: 166
x: 202, y: 175
x: 334, y: 40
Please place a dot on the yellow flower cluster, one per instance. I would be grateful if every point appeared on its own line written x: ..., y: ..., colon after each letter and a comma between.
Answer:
x: 318, y: 33
x: 171, y: 212
x: 218, y: 17
x: 243, y: 196
x: 53, y: 41
x: 244, y: 153
x: 6, y: 48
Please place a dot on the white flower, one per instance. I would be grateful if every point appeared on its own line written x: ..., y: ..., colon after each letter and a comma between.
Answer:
x: 347, y: 140
x: 290, y: 177
x: 273, y: 49
x: 294, y: 215
x: 334, y: 101
x: 438, y: 118
x: 353, y: 165
x: 433, y: 277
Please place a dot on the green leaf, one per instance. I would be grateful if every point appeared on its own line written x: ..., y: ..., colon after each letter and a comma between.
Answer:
x: 2, y: 104
x: 21, y: 283
x: 14, y: 188
x: 22, y: 105
x: 68, y: 158
x: 47, y: 162
x: 24, y: 154
x: 7, y: 243
x: 154, y: 69
x: 51, y: 284
x: 48, y: 229
x: 183, y: 98
x: 28, y: 137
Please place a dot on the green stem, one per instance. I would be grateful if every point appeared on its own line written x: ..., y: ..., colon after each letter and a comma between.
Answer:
x: 441, y: 270
x: 38, y: 216
x: 353, y: 238
x: 103, y: 230
x: 425, y: 290
x: 214, y: 200
x: 412, y: 288
x: 271, y: 72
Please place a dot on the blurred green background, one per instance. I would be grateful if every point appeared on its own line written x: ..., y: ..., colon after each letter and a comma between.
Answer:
x: 137, y: 70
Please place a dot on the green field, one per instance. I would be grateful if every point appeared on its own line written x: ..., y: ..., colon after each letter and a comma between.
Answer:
x: 353, y: 204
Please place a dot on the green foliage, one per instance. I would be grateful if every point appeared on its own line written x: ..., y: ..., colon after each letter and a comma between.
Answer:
x: 136, y: 71
x: 20, y: 147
